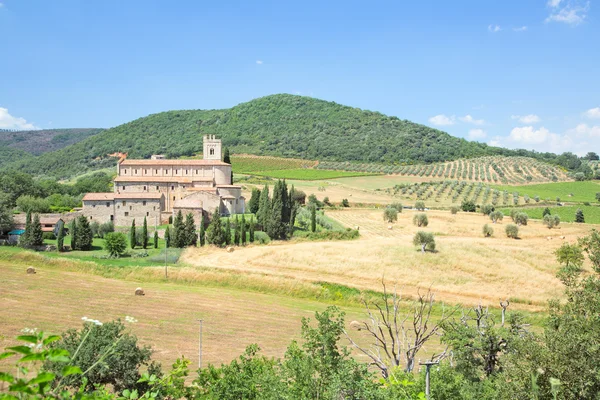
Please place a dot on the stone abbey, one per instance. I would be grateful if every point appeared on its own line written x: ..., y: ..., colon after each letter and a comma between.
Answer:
x: 158, y: 188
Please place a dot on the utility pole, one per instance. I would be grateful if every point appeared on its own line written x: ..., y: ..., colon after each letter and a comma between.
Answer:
x: 200, y: 345
x: 428, y: 365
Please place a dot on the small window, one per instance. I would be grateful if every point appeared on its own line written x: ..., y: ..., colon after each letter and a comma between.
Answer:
x: 124, y: 203
x: 131, y: 207
x: 136, y: 171
x: 125, y: 171
x: 186, y: 171
x: 144, y: 188
x: 123, y: 187
x: 176, y: 171
x: 212, y: 152
x: 90, y: 217
x: 126, y: 214
x: 172, y: 187
x: 173, y: 198
x: 145, y: 171
x: 144, y: 202
x: 94, y: 206
x: 156, y: 171
x: 147, y: 214
x: 107, y: 204
x: 112, y: 217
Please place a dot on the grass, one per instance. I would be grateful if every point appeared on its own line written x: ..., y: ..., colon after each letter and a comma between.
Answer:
x: 566, y: 213
x: 308, y: 174
x: 244, y: 163
x: 581, y: 191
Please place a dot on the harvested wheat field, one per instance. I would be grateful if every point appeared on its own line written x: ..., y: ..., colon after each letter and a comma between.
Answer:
x: 54, y: 300
x: 467, y: 268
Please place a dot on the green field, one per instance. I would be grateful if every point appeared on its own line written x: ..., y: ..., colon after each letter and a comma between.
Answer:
x: 308, y: 174
x: 566, y: 213
x: 581, y: 191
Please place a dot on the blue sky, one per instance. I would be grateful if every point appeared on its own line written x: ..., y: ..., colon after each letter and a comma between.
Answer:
x: 514, y: 73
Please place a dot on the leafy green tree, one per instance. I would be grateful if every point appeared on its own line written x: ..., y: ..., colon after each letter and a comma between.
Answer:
x: 85, y: 237
x: 512, y: 231
x: 145, y: 234
x: 254, y: 202
x: 122, y: 357
x: 251, y: 230
x: 264, y: 210
x: 215, y: 234
x: 115, y: 243
x: 27, y: 203
x: 178, y: 239
x: 60, y: 238
x: 468, y: 206
x: 189, y: 230
x: 579, y: 217
x: 167, y: 237
x: 420, y: 205
x: 488, y: 231
x: 73, y: 234
x: 591, y: 245
x: 155, y: 239
x: 105, y: 228
x: 95, y: 227
x: 420, y: 220
x: 390, y: 215
x: 37, y: 235
x: 202, y: 233
x: 313, y: 218
x: 425, y: 240
x: 570, y: 256
x: 496, y: 216
x: 132, y: 235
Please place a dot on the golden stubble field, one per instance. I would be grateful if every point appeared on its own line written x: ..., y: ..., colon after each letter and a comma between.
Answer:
x: 466, y: 269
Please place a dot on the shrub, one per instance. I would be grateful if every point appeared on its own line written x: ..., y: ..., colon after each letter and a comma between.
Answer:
x: 425, y: 240
x: 487, y: 230
x: 551, y: 221
x: 419, y: 205
x: 48, y: 236
x: 421, y: 220
x: 390, y: 215
x: 521, y: 218
x: 496, y: 216
x: 115, y: 243
x: 512, y: 231
x: 487, y: 209
x: 345, y: 203
x: 105, y: 228
x: 454, y: 210
x: 579, y: 217
x: 468, y: 206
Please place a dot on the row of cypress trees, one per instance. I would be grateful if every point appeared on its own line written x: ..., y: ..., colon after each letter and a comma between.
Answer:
x: 276, y: 215
x: 224, y: 234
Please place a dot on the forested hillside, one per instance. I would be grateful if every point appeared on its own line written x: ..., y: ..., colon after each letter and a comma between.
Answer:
x: 42, y: 141
x: 279, y: 125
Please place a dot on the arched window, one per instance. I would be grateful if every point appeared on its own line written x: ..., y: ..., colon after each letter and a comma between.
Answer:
x: 212, y: 152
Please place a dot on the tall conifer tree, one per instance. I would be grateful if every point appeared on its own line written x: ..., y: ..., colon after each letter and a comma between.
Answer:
x: 132, y: 238
x: 73, y: 233
x: 37, y: 235
x: 202, y: 233
x: 145, y: 234
x: 190, y: 230
x: 264, y: 208
x: 178, y: 234
x: 243, y: 230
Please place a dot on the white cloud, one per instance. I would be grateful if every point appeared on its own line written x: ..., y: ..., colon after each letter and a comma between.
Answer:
x: 574, y: 12
x: 442, y: 120
x: 520, y: 29
x: 494, y: 28
x: 527, y: 119
x: 477, y: 134
x: 469, y: 119
x: 593, y: 113
x: 7, y: 121
x: 259, y: 62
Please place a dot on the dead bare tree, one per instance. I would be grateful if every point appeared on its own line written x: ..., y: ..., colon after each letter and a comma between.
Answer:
x: 398, y: 337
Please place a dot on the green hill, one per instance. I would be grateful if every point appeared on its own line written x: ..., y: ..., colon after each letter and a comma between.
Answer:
x: 279, y: 125
x: 41, y: 141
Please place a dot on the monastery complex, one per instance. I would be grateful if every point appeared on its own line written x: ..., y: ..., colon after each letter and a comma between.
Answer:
x: 158, y: 188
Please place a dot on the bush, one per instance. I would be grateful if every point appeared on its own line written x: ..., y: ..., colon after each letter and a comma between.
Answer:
x: 419, y: 205
x: 105, y: 228
x: 420, y: 220
x: 390, y: 215
x: 115, y: 243
x: 521, y: 218
x: 345, y: 203
x: 48, y: 236
x: 454, y: 210
x: 512, y: 231
x: 488, y: 231
x: 468, y: 206
x: 425, y: 240
x: 579, y: 217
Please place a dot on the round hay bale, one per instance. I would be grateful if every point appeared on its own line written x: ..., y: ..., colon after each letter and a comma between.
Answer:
x: 139, y: 292
x: 356, y: 325
x: 230, y: 249
x: 31, y: 270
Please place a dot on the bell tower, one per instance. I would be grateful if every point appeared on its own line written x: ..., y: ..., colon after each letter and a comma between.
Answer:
x: 211, y: 148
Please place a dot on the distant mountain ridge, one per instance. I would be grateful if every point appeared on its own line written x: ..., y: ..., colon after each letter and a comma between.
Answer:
x: 279, y: 125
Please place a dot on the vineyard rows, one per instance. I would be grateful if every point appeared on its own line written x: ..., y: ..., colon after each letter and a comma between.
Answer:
x: 504, y: 170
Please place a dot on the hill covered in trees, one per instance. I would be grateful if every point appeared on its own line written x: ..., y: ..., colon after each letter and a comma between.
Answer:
x: 41, y: 141
x: 279, y: 125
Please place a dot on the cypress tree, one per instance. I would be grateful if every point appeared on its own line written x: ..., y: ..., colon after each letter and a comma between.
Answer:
x: 85, y: 236
x: 313, y: 218
x: 293, y: 213
x: 37, y: 236
x: 285, y: 201
x: 236, y: 234
x: 227, y: 232
x: 254, y: 202
x: 178, y: 231
x: 215, y: 234
x: 60, y: 238
x: 251, y: 230
x: 73, y: 233
x: 132, y: 239
x: 145, y: 234
x: 167, y: 237
x: 579, y: 217
x: 264, y: 208
x: 25, y: 239
x: 190, y: 230
x: 276, y: 228
x: 202, y: 231
x: 243, y: 230
x: 155, y: 239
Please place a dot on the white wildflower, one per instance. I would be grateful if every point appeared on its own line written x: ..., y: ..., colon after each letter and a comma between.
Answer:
x: 93, y: 321
x: 131, y: 320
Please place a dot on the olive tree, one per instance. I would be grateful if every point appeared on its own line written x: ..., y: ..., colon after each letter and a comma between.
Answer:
x: 520, y: 218
x: 420, y: 205
x: 488, y: 231
x: 425, y: 240
x: 551, y: 221
x: 421, y: 220
x: 512, y: 231
x: 496, y: 216
x: 390, y: 214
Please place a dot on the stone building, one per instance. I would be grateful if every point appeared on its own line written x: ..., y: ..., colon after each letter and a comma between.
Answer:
x: 158, y: 187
